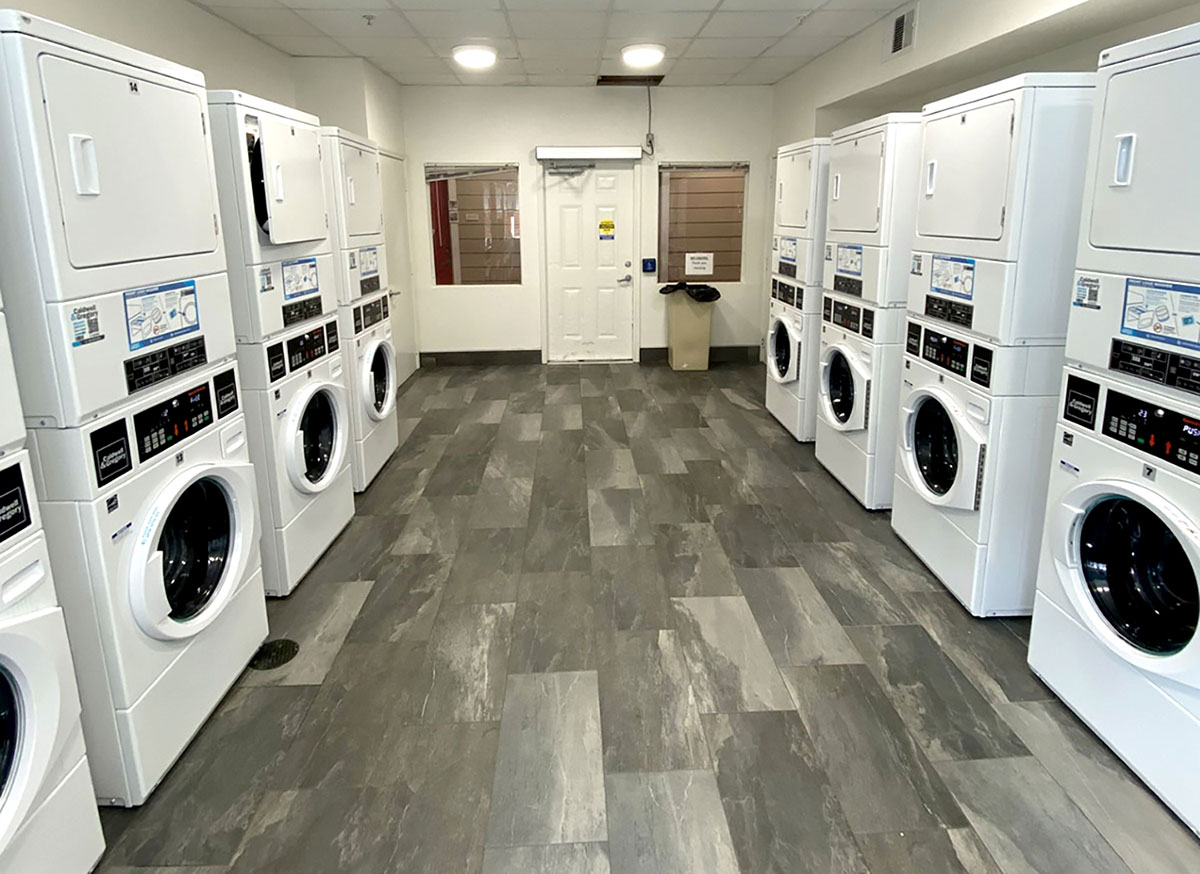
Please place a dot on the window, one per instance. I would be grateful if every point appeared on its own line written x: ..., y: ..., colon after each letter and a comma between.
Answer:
x: 700, y: 214
x: 475, y: 219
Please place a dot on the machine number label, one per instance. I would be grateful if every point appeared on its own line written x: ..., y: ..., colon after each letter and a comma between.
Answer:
x: 953, y: 276
x: 849, y: 259
x: 160, y: 312
x: 85, y: 325
x: 1164, y: 311
x: 299, y: 277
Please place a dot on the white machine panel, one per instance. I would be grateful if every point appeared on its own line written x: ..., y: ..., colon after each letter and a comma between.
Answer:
x: 855, y: 182
x: 363, y: 193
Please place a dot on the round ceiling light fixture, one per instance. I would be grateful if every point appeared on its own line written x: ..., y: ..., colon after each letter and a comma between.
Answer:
x: 643, y: 55
x: 474, y: 57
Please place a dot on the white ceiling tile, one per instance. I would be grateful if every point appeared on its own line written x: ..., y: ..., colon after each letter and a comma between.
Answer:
x: 655, y: 25
x: 797, y: 6
x: 734, y: 47
x: 459, y: 25
x: 269, y: 22
x: 768, y: 71
x: 245, y: 4
x: 361, y: 5
x: 555, y: 5
x: 610, y: 67
x: 804, y: 44
x: 558, y: 25
x: 341, y: 22
x: 704, y: 71
x: 385, y: 47
x: 881, y: 6
x: 307, y: 46
x: 724, y: 24
x: 674, y: 47
x: 426, y: 79
x: 564, y: 81
x: 445, y: 5
x: 507, y: 72
x: 415, y: 66
x: 667, y: 5
x: 578, y: 66
x: 560, y: 48
x: 840, y: 22
x: 444, y: 48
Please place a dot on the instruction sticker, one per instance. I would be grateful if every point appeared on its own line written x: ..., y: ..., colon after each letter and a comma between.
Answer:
x: 788, y: 247
x: 266, y: 280
x: 1087, y: 292
x: 1164, y: 311
x: 368, y: 262
x: 299, y: 277
x: 160, y: 312
x: 608, y: 229
x: 85, y: 325
x: 849, y: 259
x: 699, y: 264
x: 917, y: 265
x: 953, y: 276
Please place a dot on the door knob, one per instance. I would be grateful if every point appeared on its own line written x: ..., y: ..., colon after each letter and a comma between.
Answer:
x: 628, y: 277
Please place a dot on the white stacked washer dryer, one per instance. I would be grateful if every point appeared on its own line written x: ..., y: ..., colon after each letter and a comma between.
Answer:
x: 44, y: 775
x: 114, y: 267
x: 801, y: 177
x: 363, y: 300
x: 275, y: 195
x: 1114, y: 624
x: 870, y: 222
x: 1001, y: 176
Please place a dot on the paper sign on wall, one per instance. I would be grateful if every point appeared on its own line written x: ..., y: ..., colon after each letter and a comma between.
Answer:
x: 608, y: 229
x: 698, y: 264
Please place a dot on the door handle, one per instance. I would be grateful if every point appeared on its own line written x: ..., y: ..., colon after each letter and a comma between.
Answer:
x: 83, y: 163
x: 628, y: 277
x: 1123, y: 172
x: 278, y: 169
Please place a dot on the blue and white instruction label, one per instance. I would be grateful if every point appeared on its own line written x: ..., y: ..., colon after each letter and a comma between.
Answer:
x: 1164, y: 311
x: 953, y: 276
x: 368, y: 262
x: 788, y: 247
x: 849, y: 259
x: 300, y: 277
x: 160, y: 312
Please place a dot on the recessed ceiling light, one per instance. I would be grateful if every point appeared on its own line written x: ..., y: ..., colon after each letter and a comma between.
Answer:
x: 643, y: 55
x: 475, y: 57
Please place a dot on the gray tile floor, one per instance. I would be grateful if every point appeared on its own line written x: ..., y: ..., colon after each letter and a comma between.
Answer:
x: 613, y: 619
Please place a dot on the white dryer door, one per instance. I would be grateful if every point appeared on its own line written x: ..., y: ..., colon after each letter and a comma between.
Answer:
x: 1128, y: 560
x: 782, y: 352
x: 943, y: 451
x: 363, y: 195
x: 378, y: 379
x: 845, y: 388
x: 314, y: 436
x: 192, y: 548
x: 292, y: 184
x: 38, y: 703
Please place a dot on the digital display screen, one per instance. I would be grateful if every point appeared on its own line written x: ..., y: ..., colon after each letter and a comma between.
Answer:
x: 847, y: 316
x: 165, y: 425
x: 949, y: 353
x: 1157, y: 431
x: 305, y: 348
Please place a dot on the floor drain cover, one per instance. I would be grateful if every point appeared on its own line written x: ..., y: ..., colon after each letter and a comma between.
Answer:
x: 274, y: 654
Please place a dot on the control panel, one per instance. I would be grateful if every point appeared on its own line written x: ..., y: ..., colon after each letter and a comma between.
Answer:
x: 948, y: 353
x: 791, y: 295
x: 786, y: 269
x: 153, y: 367
x: 950, y: 311
x: 1156, y: 365
x: 371, y: 314
x: 332, y: 340
x: 304, y: 349
x: 161, y: 427
x: 301, y: 311
x: 847, y: 316
x: 1165, y: 434
x: 848, y: 285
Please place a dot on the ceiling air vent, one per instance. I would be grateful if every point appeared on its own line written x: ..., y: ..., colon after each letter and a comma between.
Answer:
x: 640, y: 81
x: 904, y: 28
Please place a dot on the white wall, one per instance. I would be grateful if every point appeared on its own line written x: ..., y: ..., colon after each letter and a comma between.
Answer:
x: 181, y: 32
x: 505, y: 125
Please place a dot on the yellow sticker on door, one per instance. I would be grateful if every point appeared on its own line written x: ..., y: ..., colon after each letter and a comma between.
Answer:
x: 608, y: 229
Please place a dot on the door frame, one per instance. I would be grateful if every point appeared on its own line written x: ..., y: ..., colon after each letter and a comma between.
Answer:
x: 635, y: 269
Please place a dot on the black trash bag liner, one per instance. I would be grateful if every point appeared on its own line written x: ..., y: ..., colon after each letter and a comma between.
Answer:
x: 696, y: 291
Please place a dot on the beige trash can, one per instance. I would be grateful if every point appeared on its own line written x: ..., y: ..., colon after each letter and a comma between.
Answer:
x: 689, y: 332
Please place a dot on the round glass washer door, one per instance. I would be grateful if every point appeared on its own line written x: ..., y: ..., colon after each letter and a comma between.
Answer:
x: 196, y: 543
x: 1138, y: 575
x: 841, y: 387
x: 379, y: 379
x: 781, y: 349
x: 935, y: 446
x: 318, y: 431
x: 10, y: 730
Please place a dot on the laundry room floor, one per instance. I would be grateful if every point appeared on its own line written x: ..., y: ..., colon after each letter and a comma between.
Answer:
x: 613, y: 619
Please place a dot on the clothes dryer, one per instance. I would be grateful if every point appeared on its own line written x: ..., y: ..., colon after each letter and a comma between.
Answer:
x: 152, y: 520
x: 366, y: 328
x: 299, y: 420
x: 356, y: 222
x: 971, y: 460
x: 873, y: 170
x: 801, y: 181
x: 860, y: 362
x: 1114, y: 624
x: 113, y: 261
x: 1001, y: 177
x: 792, y: 342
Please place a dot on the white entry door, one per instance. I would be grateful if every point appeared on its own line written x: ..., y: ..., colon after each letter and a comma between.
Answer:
x: 589, y: 263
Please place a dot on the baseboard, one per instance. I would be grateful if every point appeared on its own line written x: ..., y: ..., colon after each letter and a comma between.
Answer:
x: 481, y: 359
x: 716, y: 355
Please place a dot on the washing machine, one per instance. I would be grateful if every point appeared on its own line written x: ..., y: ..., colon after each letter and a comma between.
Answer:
x: 1136, y: 298
x: 114, y: 265
x: 299, y: 422
x: 1114, y: 625
x: 972, y: 453
x: 1001, y: 178
x: 274, y: 192
x: 792, y: 341
x: 152, y: 517
x: 860, y: 360
x: 356, y: 223
x: 873, y: 170
x: 371, y: 382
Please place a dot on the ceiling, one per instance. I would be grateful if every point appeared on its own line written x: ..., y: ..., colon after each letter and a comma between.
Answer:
x: 559, y: 42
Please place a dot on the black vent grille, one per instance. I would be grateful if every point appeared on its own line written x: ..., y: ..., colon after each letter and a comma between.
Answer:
x: 902, y: 30
x: 640, y: 81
